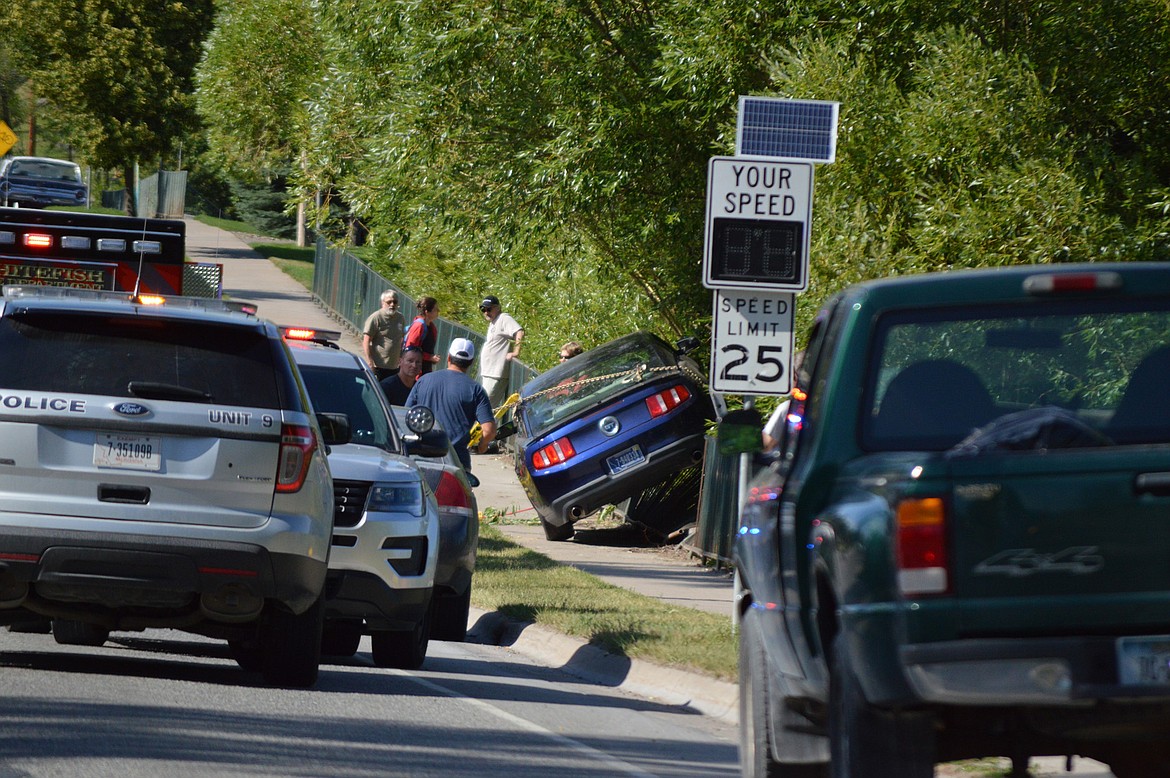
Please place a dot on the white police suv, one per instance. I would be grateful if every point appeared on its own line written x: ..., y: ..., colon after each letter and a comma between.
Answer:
x: 160, y: 466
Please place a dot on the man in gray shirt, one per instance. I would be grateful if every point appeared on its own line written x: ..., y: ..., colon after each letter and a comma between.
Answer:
x: 382, y: 336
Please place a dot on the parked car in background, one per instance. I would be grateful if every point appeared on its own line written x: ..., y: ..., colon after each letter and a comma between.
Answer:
x: 34, y: 182
x: 160, y: 466
x: 960, y: 548
x: 386, y: 521
x: 458, y: 533
x: 607, y: 424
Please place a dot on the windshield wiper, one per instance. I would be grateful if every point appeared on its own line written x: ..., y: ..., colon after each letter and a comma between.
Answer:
x: 156, y: 391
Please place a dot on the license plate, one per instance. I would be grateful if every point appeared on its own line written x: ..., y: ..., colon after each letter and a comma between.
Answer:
x: 631, y: 457
x: 127, y: 452
x: 1144, y: 660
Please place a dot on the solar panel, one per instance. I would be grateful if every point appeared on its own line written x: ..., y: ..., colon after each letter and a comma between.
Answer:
x: 792, y: 129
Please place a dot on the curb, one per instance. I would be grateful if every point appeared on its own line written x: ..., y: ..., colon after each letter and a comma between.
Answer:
x: 671, y: 686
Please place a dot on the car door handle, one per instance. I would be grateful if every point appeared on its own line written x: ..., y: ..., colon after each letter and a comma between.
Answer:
x: 1157, y: 484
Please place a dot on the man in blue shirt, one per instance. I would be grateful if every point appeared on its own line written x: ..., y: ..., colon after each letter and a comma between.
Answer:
x: 456, y: 400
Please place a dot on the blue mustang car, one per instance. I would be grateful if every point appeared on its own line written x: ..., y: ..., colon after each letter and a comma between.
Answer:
x: 605, y: 425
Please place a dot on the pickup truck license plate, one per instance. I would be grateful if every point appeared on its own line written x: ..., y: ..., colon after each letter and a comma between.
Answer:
x: 1144, y: 660
x: 631, y: 457
x: 127, y: 452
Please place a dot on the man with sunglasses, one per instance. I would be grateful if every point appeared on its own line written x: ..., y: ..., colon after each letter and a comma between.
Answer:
x: 501, y: 345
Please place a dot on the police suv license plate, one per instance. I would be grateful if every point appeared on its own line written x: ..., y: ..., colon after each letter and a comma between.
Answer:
x: 631, y: 457
x: 127, y: 452
x: 1144, y: 660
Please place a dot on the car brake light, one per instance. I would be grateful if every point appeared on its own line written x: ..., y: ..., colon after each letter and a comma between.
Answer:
x: 665, y: 402
x: 1057, y: 283
x: 297, y: 444
x: 450, y: 492
x: 921, y: 546
x: 299, y: 333
x: 555, y: 453
x: 38, y: 240
x: 151, y: 299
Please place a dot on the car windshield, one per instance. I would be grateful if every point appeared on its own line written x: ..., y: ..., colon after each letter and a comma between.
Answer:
x: 352, y: 392
x: 1065, y: 374
x: 129, y: 356
x: 48, y: 169
x: 592, y: 378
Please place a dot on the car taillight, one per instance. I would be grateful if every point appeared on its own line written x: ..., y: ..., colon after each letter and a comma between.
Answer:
x: 297, y: 444
x: 921, y: 546
x: 1057, y: 283
x: 555, y: 453
x: 665, y: 402
x: 450, y: 492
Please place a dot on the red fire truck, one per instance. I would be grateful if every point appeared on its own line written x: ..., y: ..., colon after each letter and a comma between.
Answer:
x: 98, y: 251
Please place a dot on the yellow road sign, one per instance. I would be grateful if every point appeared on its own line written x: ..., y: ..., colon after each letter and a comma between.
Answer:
x: 7, y: 138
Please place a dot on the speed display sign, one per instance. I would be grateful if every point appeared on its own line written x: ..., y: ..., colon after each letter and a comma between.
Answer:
x: 757, y: 229
x: 752, y: 345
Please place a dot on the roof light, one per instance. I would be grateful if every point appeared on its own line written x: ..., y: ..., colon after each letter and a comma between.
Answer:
x: 38, y: 240
x: 147, y: 247
x: 75, y: 242
x: 7, y: 238
x: 663, y: 403
x: 111, y: 244
x: 556, y: 453
x: 1064, y: 283
x: 151, y: 299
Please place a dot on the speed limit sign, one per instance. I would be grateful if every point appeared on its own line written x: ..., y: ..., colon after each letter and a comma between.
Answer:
x: 751, y: 347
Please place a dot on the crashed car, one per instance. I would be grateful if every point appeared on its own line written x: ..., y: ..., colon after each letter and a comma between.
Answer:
x: 604, y: 426
x: 35, y: 182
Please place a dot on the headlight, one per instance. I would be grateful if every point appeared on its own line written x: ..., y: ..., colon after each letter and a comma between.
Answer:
x: 397, y: 498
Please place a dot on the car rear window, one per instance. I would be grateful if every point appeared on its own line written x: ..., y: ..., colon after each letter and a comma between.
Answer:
x: 47, y: 170
x: 103, y: 355
x: 1075, y: 374
x: 593, y: 378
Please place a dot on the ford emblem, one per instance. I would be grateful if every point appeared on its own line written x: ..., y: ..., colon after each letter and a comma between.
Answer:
x: 609, y: 426
x: 131, y: 409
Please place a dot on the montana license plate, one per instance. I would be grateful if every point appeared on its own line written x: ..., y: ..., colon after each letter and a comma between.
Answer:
x: 631, y: 457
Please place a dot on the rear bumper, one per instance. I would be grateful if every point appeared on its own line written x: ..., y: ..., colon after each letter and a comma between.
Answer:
x: 1071, y: 671
x: 607, y: 489
x: 137, y: 580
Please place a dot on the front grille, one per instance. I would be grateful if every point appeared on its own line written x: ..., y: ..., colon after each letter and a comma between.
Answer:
x: 349, y: 502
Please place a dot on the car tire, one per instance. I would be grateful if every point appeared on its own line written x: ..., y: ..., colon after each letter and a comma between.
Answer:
x: 867, y: 743
x: 405, y: 649
x: 68, y: 632
x: 451, y: 614
x: 248, y: 654
x: 755, y: 731
x: 556, y: 533
x: 341, y: 638
x: 291, y: 645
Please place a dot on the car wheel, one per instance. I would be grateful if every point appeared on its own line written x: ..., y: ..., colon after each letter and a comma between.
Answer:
x: 755, y: 731
x: 867, y: 743
x: 292, y: 645
x: 68, y: 632
x: 341, y: 638
x: 404, y: 649
x: 248, y: 654
x: 451, y: 613
x: 556, y: 532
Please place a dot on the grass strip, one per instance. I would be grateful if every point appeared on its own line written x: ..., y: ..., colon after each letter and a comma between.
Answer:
x: 528, y: 586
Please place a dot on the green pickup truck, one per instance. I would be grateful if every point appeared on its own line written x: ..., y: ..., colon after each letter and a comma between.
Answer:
x: 962, y: 546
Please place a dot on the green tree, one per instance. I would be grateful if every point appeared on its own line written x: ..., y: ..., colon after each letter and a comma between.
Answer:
x: 119, y: 69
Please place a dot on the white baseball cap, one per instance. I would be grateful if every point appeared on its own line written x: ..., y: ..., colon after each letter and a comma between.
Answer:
x: 461, y: 348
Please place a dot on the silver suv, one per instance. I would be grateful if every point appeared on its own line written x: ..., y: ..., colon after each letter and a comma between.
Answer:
x: 386, y: 520
x: 160, y: 466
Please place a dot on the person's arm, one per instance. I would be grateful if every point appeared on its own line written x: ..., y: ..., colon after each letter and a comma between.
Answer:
x: 515, y: 352
x: 366, y: 350
x: 488, y: 434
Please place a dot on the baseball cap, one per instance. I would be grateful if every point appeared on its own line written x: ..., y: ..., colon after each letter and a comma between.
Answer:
x: 489, y: 301
x: 461, y: 348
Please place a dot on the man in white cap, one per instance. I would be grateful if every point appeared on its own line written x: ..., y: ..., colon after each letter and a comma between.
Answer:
x: 457, y: 401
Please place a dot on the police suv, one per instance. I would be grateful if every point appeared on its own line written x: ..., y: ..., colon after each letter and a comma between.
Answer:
x: 160, y: 466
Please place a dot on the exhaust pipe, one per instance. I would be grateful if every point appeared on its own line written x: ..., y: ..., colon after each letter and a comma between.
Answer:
x: 576, y: 512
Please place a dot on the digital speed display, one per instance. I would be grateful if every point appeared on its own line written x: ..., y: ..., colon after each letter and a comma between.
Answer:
x: 757, y: 251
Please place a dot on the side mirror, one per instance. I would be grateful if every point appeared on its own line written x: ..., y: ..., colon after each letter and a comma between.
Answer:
x: 432, y: 443
x: 686, y: 345
x: 740, y: 432
x: 471, y: 479
x: 335, y: 428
